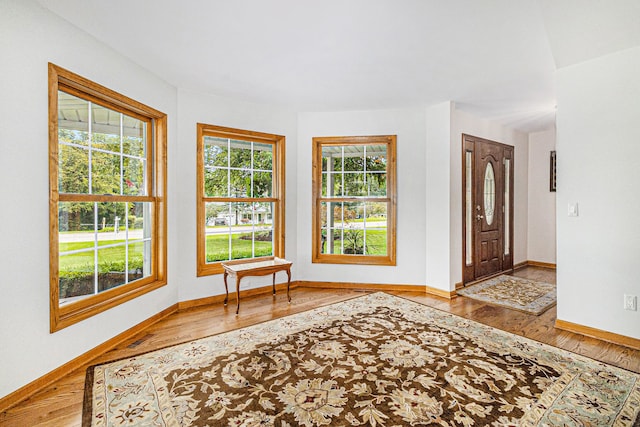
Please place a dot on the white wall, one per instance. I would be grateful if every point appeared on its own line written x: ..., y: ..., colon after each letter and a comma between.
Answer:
x: 463, y: 122
x: 438, y: 195
x: 29, y: 38
x: 201, y: 108
x: 598, y: 151
x: 409, y: 126
x: 542, y: 202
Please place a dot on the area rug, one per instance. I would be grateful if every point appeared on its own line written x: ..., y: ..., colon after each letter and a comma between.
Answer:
x: 376, y: 360
x: 512, y: 292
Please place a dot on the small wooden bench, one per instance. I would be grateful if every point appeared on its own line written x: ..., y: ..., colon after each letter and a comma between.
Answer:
x: 255, y: 267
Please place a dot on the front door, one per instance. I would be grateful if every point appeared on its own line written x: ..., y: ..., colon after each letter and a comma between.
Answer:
x: 488, y: 207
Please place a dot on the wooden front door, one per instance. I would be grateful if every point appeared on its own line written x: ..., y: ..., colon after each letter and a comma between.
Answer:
x: 488, y: 208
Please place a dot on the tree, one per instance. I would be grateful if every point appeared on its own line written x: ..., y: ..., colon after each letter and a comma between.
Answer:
x: 106, y: 175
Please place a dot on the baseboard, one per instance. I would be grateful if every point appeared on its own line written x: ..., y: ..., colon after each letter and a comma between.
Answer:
x: 217, y: 299
x: 378, y: 287
x: 530, y: 263
x: 611, y: 337
x: 520, y: 265
x: 35, y: 386
x: 541, y: 264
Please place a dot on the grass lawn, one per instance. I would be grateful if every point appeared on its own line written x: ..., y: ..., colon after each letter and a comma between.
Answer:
x: 113, y: 258
x: 107, y: 257
x: 217, y: 248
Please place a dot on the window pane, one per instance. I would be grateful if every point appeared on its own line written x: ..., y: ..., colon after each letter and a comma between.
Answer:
x: 376, y: 184
x: 263, y: 157
x: 134, y: 136
x: 111, y: 267
x: 332, y: 158
x: 376, y: 157
x: 216, y: 151
x: 218, y: 221
x: 507, y: 205
x: 354, y: 184
x: 105, y: 173
x: 333, y: 188
x: 240, y: 183
x: 468, y: 208
x: 262, y: 184
x: 331, y: 231
x: 240, y: 154
x: 216, y: 182
x: 75, y: 217
x: 105, y: 128
x: 73, y: 113
x: 242, y: 233
x: 73, y: 169
x: 107, y: 142
x: 76, y: 243
x: 139, y: 262
x: 111, y: 227
x: 263, y: 236
x: 133, y: 176
x: 354, y: 158
x: 76, y: 276
x: 375, y: 228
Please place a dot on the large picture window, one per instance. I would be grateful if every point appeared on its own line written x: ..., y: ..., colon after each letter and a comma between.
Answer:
x: 354, y: 205
x: 240, y: 196
x: 107, y: 206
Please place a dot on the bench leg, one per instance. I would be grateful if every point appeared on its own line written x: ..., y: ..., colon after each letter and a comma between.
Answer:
x: 238, y: 294
x: 288, y: 284
x: 274, y: 283
x: 226, y: 288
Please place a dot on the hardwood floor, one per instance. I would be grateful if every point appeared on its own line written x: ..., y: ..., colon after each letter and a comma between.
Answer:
x: 61, y: 403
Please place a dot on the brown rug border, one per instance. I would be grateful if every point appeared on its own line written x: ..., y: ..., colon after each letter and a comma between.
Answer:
x: 495, y: 304
x: 87, y: 407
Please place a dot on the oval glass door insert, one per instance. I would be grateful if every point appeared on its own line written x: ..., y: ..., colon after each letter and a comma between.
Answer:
x: 489, y: 193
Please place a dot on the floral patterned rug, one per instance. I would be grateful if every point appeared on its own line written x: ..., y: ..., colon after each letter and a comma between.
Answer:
x: 514, y: 292
x: 376, y: 360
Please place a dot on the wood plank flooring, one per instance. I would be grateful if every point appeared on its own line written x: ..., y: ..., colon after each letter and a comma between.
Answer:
x: 61, y: 403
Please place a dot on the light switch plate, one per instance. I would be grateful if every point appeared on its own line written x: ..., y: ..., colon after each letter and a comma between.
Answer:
x: 573, y: 209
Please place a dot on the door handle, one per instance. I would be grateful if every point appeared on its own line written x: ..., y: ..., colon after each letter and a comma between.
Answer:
x: 479, y: 217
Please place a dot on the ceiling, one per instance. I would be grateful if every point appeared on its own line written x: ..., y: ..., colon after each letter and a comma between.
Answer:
x: 494, y: 58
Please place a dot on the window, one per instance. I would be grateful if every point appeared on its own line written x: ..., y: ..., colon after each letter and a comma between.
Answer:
x: 107, y: 209
x: 354, y: 202
x: 240, y: 196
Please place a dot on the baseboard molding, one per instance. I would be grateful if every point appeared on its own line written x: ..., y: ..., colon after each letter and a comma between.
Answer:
x: 611, y: 337
x: 378, y: 287
x: 217, y: 299
x: 530, y: 263
x: 520, y: 265
x: 35, y: 386
x: 541, y: 264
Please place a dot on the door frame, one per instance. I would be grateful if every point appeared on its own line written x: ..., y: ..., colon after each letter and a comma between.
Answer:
x: 468, y: 269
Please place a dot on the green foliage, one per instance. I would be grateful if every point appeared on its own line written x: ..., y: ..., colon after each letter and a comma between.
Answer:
x: 106, y: 176
x: 222, y: 179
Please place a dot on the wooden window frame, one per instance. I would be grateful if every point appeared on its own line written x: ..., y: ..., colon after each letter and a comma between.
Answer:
x: 277, y: 195
x: 74, y: 312
x: 390, y: 199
